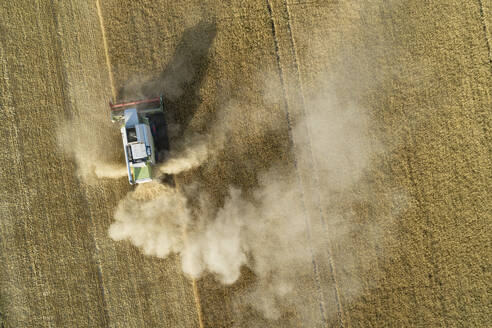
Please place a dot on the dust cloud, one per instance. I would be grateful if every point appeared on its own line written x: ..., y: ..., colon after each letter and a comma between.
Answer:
x: 184, y: 158
x: 273, y: 230
x: 268, y: 229
x: 282, y: 230
x: 152, y: 217
x: 190, y: 151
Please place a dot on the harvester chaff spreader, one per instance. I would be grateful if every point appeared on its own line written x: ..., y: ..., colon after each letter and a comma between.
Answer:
x: 143, y: 130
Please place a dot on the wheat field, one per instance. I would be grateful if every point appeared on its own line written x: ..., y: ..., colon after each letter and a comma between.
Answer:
x: 417, y: 250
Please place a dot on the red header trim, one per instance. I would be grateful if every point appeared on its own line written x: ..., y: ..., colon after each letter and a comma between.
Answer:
x: 115, y: 106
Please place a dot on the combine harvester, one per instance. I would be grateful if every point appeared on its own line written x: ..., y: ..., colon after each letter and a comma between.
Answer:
x: 143, y: 129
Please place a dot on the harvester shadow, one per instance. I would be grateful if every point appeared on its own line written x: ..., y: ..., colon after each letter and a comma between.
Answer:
x: 181, y: 79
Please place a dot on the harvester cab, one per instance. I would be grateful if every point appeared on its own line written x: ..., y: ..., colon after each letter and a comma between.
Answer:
x: 143, y: 131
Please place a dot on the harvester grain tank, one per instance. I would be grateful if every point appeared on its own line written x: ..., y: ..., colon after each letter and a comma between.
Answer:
x: 143, y: 131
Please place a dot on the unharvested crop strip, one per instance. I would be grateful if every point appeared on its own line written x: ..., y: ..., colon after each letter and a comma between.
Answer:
x: 106, y: 51
x: 291, y: 139
x: 60, y: 67
x: 484, y: 26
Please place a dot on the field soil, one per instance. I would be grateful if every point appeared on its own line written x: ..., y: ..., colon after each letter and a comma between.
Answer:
x: 421, y: 72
